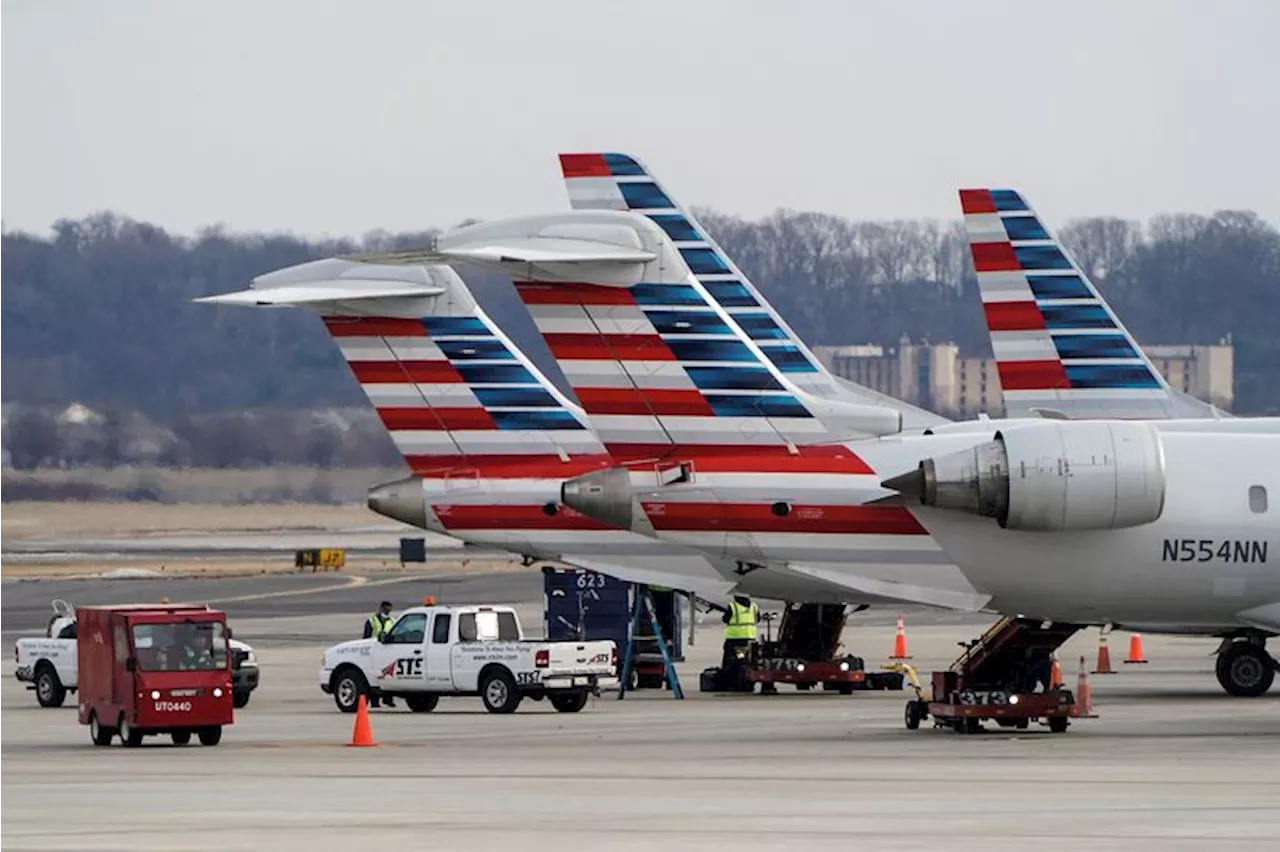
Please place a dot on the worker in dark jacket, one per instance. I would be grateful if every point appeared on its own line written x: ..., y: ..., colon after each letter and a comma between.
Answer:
x: 374, y: 627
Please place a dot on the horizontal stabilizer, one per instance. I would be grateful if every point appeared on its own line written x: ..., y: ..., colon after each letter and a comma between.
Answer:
x: 707, y: 589
x: 871, y: 591
x: 523, y: 250
x: 550, y: 251
x: 346, y: 290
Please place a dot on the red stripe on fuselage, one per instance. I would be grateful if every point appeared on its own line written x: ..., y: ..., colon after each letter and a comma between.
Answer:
x: 752, y: 517
x: 374, y: 327
x: 404, y: 372
x: 1013, y: 316
x: 608, y: 347
x: 542, y: 293
x: 724, y: 458
x: 498, y: 517
x: 1033, y: 375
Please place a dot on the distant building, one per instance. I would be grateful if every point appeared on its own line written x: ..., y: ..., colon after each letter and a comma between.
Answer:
x: 936, y: 377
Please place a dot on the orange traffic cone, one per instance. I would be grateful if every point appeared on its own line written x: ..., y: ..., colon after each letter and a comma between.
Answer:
x: 1104, y: 655
x: 900, y: 642
x: 1055, y: 672
x: 1135, y: 649
x: 362, y: 735
x: 1084, y: 693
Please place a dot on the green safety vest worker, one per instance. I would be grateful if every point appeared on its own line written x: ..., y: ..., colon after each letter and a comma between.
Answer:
x: 376, y: 625
x: 742, y: 621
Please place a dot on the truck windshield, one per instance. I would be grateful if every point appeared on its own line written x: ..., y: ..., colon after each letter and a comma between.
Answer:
x: 180, y: 646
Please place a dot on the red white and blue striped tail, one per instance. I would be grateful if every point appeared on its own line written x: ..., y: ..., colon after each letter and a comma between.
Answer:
x: 659, y: 372
x: 456, y: 396
x: 1058, y: 345
x: 612, y: 181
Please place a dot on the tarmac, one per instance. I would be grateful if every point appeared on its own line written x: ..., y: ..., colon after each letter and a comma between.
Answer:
x: 1171, y: 763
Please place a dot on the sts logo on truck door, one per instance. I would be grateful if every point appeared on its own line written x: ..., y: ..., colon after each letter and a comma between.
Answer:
x: 404, y: 667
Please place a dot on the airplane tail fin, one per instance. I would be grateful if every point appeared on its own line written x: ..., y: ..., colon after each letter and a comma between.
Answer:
x: 612, y: 181
x: 658, y: 366
x: 657, y: 369
x: 452, y: 390
x: 1059, y: 347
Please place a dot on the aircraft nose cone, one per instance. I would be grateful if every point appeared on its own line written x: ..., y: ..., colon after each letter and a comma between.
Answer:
x: 401, y: 500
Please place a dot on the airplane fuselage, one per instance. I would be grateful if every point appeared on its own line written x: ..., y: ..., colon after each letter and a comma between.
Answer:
x: 1213, y: 554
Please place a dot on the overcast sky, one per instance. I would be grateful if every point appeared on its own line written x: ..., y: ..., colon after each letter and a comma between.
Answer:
x: 337, y: 118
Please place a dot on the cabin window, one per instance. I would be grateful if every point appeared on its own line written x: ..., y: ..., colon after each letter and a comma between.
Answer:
x: 1257, y: 499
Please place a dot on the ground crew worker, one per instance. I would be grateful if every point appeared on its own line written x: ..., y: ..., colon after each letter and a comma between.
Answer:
x: 374, y: 626
x: 378, y: 623
x: 740, y: 618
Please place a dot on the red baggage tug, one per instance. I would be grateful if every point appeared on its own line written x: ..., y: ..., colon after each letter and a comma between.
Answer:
x: 152, y: 669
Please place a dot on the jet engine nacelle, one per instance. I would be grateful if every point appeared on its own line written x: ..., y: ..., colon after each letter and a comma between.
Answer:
x: 1050, y: 477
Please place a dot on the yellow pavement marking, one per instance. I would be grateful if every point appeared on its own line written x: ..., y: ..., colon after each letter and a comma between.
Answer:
x: 353, y: 582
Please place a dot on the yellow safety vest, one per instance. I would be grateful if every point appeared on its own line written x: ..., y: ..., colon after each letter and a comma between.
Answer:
x: 379, y: 623
x: 742, y: 621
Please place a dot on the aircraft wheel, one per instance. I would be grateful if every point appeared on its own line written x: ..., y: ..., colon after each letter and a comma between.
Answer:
x: 1246, y: 670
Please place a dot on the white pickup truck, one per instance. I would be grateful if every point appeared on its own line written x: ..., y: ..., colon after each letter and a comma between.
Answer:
x: 49, y: 664
x: 467, y: 650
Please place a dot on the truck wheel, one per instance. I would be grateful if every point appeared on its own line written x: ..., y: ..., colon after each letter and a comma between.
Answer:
x: 49, y: 689
x: 239, y: 699
x: 1245, y: 670
x: 1058, y: 724
x: 498, y: 690
x: 101, y: 736
x: 347, y: 686
x: 569, y: 702
x: 130, y: 737
x: 181, y: 737
x: 211, y: 735
x: 422, y: 703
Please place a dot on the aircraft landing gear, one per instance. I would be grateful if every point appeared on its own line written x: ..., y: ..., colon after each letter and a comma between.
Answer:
x: 1245, y: 669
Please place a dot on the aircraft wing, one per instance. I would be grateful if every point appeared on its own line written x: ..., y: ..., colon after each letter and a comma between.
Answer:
x: 872, y: 591
x: 707, y: 589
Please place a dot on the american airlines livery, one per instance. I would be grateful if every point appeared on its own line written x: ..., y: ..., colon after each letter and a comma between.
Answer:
x: 711, y: 450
